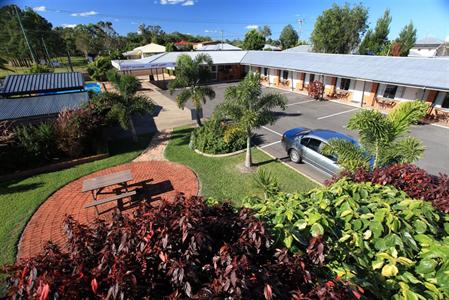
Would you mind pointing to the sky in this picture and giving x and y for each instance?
(235, 17)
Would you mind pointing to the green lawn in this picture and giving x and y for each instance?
(221, 179)
(19, 199)
(79, 65)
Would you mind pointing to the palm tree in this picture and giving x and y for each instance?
(99, 68)
(127, 103)
(248, 108)
(191, 74)
(383, 138)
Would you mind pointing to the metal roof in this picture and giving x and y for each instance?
(42, 82)
(17, 108)
(409, 71)
(168, 59)
(219, 47)
(428, 41)
(300, 48)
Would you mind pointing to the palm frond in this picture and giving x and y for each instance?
(406, 114)
(183, 97)
(350, 156)
(207, 92)
(407, 150)
(141, 104)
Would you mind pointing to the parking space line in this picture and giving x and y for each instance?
(270, 144)
(336, 114)
(271, 130)
(301, 102)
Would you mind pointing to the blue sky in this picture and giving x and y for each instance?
(208, 17)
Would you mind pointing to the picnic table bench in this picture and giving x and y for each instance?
(97, 184)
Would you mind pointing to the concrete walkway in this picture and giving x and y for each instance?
(170, 116)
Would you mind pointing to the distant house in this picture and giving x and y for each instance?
(218, 47)
(269, 47)
(429, 47)
(144, 51)
(29, 97)
(300, 48)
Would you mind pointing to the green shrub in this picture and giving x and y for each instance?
(210, 138)
(37, 140)
(392, 245)
(40, 69)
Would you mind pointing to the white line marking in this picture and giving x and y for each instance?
(336, 114)
(302, 102)
(270, 144)
(271, 130)
(283, 93)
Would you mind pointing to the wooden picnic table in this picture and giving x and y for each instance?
(97, 184)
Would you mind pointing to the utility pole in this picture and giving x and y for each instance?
(300, 22)
(69, 60)
(46, 52)
(222, 39)
(24, 34)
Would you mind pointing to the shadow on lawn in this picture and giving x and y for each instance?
(182, 137)
(11, 188)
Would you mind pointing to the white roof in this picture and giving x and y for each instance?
(149, 48)
(300, 48)
(271, 47)
(219, 47)
(409, 71)
(168, 59)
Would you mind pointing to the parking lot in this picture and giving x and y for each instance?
(303, 111)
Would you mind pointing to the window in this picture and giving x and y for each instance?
(445, 103)
(265, 71)
(344, 84)
(312, 144)
(311, 78)
(284, 74)
(390, 91)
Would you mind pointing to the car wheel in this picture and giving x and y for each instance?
(294, 156)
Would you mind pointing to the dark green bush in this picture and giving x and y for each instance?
(38, 141)
(214, 138)
(378, 237)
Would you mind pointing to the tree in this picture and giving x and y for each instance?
(99, 68)
(35, 69)
(288, 37)
(127, 103)
(191, 74)
(383, 138)
(265, 31)
(254, 40)
(248, 108)
(406, 39)
(375, 42)
(338, 29)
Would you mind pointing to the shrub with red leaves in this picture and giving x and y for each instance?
(179, 250)
(414, 181)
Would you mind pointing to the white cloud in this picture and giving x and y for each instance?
(68, 25)
(252, 26)
(40, 8)
(85, 14)
(174, 2)
(210, 31)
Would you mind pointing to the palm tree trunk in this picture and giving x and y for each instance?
(198, 118)
(132, 129)
(248, 159)
(104, 86)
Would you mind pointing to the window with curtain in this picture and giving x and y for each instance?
(345, 83)
(390, 91)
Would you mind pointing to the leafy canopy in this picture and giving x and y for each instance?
(382, 137)
(254, 40)
(338, 29)
(376, 42)
(406, 39)
(288, 37)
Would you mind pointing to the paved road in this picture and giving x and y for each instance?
(302, 111)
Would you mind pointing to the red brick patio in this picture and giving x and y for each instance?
(152, 179)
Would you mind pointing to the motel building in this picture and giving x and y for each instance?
(367, 81)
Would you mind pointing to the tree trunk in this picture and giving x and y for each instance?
(104, 86)
(132, 129)
(248, 159)
(198, 118)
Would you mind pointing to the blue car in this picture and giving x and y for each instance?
(304, 145)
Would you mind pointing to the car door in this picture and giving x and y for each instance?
(311, 153)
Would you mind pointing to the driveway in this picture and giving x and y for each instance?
(303, 111)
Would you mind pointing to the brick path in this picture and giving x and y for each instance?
(165, 180)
